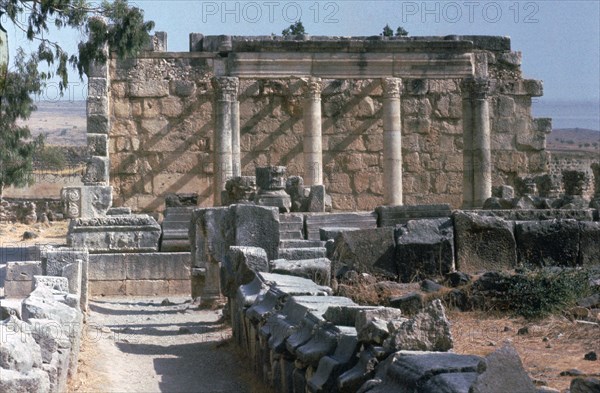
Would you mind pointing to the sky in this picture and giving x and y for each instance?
(560, 40)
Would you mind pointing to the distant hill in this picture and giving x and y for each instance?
(62, 122)
(574, 139)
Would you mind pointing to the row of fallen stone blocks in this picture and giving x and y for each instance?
(467, 241)
(301, 339)
(57, 262)
(41, 338)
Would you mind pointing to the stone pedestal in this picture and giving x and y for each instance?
(226, 133)
(313, 149)
(392, 141)
(115, 234)
(477, 182)
(271, 188)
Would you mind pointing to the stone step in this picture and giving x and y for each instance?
(290, 226)
(290, 235)
(389, 216)
(291, 218)
(316, 221)
(294, 254)
(175, 245)
(300, 243)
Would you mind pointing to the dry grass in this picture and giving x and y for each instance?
(51, 233)
(552, 345)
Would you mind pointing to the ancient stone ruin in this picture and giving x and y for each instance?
(266, 175)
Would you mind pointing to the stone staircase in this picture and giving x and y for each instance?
(299, 233)
(175, 228)
(291, 226)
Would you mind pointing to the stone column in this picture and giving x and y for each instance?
(477, 159)
(392, 142)
(313, 148)
(226, 90)
(235, 139)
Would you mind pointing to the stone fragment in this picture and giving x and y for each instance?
(450, 383)
(317, 269)
(548, 243)
(372, 324)
(317, 199)
(483, 243)
(22, 271)
(35, 380)
(366, 251)
(389, 216)
(240, 189)
(331, 367)
(408, 371)
(59, 284)
(298, 253)
(425, 248)
(410, 303)
(240, 266)
(429, 330)
(457, 279)
(585, 385)
(430, 286)
(504, 373)
(589, 243)
(351, 380)
(19, 351)
(315, 221)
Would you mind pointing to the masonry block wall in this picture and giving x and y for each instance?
(161, 139)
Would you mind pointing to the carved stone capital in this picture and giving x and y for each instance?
(392, 87)
(313, 88)
(476, 88)
(226, 88)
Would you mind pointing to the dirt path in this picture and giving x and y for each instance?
(139, 345)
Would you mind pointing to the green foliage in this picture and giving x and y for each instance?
(294, 30)
(16, 147)
(401, 32)
(110, 26)
(51, 157)
(387, 31)
(542, 293)
(114, 24)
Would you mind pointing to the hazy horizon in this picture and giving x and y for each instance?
(565, 113)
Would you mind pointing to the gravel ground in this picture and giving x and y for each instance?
(158, 345)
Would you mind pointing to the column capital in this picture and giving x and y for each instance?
(392, 87)
(226, 88)
(313, 87)
(476, 87)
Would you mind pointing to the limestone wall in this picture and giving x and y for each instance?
(161, 136)
(573, 161)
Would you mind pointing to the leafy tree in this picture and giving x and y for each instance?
(294, 29)
(16, 146)
(387, 31)
(401, 32)
(111, 26)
